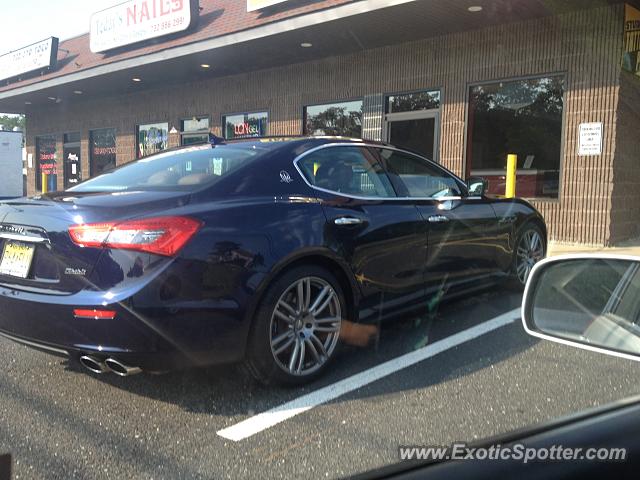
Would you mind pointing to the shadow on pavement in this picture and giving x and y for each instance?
(229, 390)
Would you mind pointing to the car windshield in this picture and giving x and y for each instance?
(188, 169)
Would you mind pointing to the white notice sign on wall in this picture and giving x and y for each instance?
(590, 139)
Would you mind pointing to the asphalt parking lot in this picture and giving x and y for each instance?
(60, 422)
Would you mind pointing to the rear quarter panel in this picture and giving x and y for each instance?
(213, 285)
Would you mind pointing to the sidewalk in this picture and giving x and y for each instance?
(630, 247)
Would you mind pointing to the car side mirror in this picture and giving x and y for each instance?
(477, 186)
(586, 301)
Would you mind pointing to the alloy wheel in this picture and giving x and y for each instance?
(530, 251)
(305, 326)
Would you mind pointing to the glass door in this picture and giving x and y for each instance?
(71, 159)
(412, 121)
(418, 134)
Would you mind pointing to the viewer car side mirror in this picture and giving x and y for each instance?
(477, 186)
(586, 301)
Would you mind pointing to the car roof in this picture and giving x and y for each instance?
(288, 147)
(276, 142)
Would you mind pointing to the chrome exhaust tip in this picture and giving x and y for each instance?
(93, 364)
(120, 368)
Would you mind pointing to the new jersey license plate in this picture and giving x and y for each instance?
(16, 259)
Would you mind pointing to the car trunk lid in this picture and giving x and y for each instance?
(36, 249)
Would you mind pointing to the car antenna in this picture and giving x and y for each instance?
(215, 140)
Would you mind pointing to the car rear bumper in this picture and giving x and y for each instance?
(154, 338)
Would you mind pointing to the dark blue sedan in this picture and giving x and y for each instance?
(259, 251)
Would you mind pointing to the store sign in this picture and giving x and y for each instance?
(138, 20)
(47, 159)
(590, 139)
(246, 125)
(258, 4)
(631, 55)
(38, 56)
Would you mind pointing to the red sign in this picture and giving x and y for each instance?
(246, 129)
(104, 150)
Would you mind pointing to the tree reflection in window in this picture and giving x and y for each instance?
(336, 119)
(411, 102)
(522, 117)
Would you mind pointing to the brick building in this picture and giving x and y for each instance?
(463, 81)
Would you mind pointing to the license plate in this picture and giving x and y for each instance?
(16, 259)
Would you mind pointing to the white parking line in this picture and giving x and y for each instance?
(272, 417)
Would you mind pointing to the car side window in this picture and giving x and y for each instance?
(349, 170)
(418, 177)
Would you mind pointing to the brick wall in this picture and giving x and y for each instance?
(584, 45)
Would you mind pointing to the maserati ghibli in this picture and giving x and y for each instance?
(258, 251)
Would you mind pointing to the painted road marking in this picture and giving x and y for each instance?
(268, 419)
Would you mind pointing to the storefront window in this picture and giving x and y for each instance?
(245, 125)
(522, 117)
(152, 138)
(411, 102)
(46, 163)
(337, 119)
(102, 150)
(194, 130)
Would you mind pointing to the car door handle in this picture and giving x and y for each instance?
(438, 219)
(508, 219)
(348, 221)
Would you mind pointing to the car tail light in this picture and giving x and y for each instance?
(95, 314)
(160, 235)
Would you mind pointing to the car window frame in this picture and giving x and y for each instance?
(370, 146)
(345, 194)
(396, 179)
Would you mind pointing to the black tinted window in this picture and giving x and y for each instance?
(184, 170)
(417, 176)
(350, 170)
(102, 150)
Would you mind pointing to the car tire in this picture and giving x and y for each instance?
(294, 338)
(530, 247)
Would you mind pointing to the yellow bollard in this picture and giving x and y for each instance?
(44, 183)
(512, 164)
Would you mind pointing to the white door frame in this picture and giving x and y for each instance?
(416, 115)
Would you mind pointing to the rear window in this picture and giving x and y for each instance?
(190, 169)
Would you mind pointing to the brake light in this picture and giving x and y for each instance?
(160, 235)
(94, 314)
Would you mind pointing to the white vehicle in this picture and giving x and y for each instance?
(11, 183)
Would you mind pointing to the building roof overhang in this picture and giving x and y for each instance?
(347, 27)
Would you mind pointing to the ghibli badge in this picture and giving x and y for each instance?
(75, 271)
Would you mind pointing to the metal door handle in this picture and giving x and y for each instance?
(348, 221)
(508, 219)
(438, 219)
